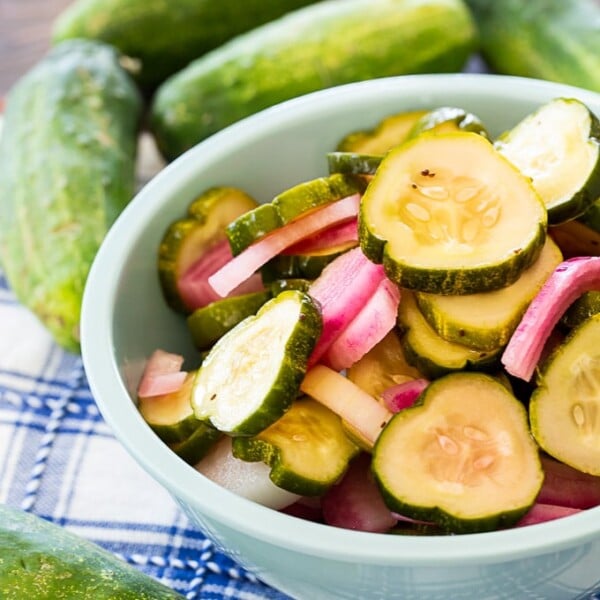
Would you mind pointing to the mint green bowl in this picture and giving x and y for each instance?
(125, 319)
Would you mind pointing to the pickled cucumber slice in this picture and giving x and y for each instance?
(170, 415)
(307, 448)
(446, 119)
(388, 133)
(209, 323)
(485, 321)
(462, 457)
(440, 215)
(289, 205)
(558, 147)
(564, 409)
(432, 355)
(353, 163)
(187, 239)
(253, 373)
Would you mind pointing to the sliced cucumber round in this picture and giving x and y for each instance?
(289, 205)
(587, 305)
(383, 367)
(485, 321)
(307, 448)
(447, 119)
(388, 133)
(171, 416)
(187, 239)
(462, 458)
(440, 215)
(353, 163)
(209, 323)
(558, 147)
(431, 354)
(253, 373)
(564, 410)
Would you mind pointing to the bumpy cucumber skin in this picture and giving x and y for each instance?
(557, 40)
(43, 561)
(164, 36)
(316, 47)
(68, 156)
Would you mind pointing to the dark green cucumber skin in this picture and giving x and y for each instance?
(317, 47)
(42, 561)
(164, 36)
(557, 40)
(209, 323)
(68, 157)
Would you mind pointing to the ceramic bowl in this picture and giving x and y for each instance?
(125, 319)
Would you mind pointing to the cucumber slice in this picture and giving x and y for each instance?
(587, 305)
(431, 354)
(289, 205)
(306, 448)
(462, 458)
(446, 119)
(171, 416)
(253, 373)
(383, 367)
(387, 134)
(296, 266)
(353, 163)
(281, 285)
(440, 215)
(485, 321)
(187, 239)
(564, 408)
(195, 447)
(209, 323)
(558, 147)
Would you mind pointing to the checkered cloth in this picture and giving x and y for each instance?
(59, 460)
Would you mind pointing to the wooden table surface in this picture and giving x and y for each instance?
(25, 27)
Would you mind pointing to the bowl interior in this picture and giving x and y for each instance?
(125, 317)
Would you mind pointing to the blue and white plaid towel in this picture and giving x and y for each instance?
(59, 460)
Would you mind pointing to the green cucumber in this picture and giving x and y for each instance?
(388, 133)
(319, 46)
(353, 163)
(430, 353)
(210, 323)
(292, 283)
(188, 238)
(196, 446)
(383, 367)
(289, 205)
(485, 321)
(558, 147)
(252, 374)
(462, 457)
(439, 214)
(44, 561)
(170, 415)
(587, 305)
(557, 40)
(307, 448)
(564, 407)
(296, 266)
(67, 151)
(448, 119)
(163, 37)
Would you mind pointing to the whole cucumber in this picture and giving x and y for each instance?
(558, 40)
(163, 35)
(67, 152)
(42, 561)
(315, 47)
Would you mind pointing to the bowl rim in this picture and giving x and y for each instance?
(208, 498)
